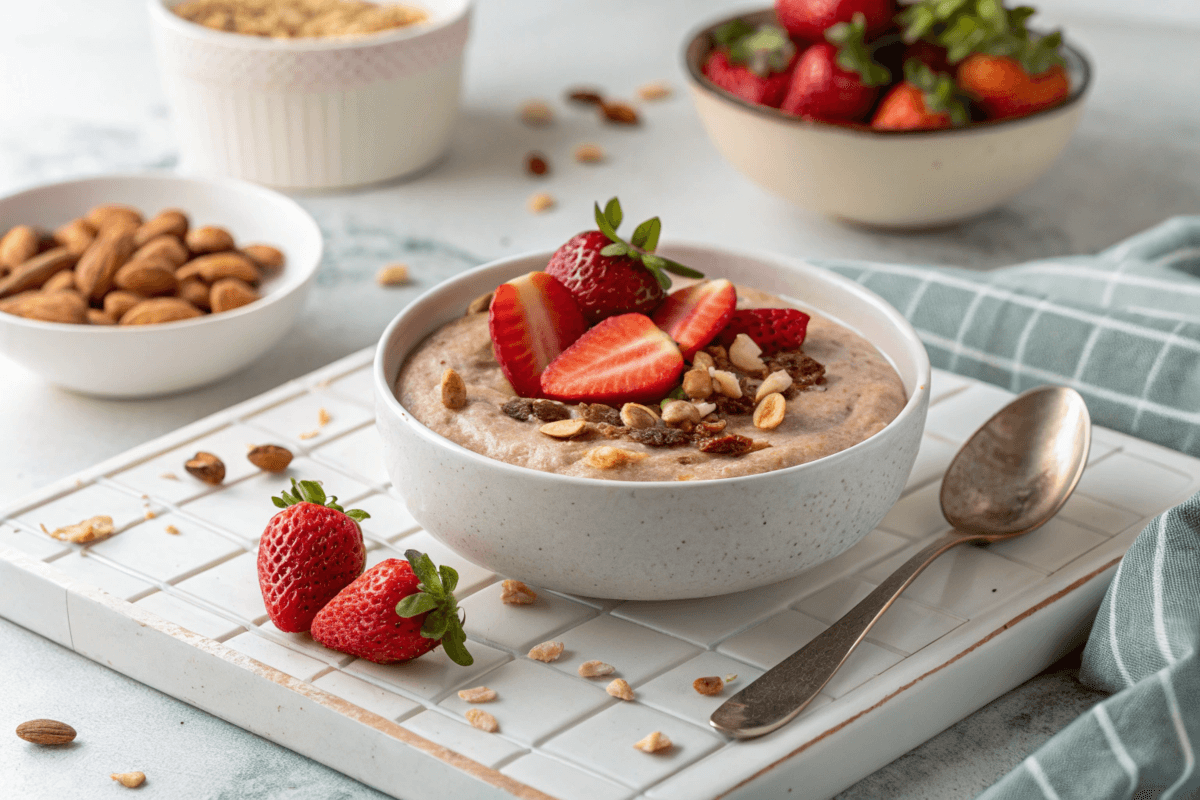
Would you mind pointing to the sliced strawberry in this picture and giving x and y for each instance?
(624, 359)
(695, 315)
(772, 329)
(532, 319)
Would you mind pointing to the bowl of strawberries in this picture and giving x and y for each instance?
(897, 116)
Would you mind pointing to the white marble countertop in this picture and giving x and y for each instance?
(82, 96)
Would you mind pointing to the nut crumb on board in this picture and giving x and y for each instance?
(169, 476)
(130, 780)
(323, 417)
(546, 651)
(595, 669)
(90, 530)
(171, 529)
(653, 742)
(482, 720)
(478, 694)
(656, 90)
(708, 685)
(620, 689)
(392, 275)
(149, 513)
(589, 153)
(309, 435)
(541, 202)
(516, 593)
(536, 113)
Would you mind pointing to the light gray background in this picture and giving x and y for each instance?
(80, 95)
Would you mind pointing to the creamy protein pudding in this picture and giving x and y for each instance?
(629, 383)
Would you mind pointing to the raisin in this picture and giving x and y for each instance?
(731, 445)
(549, 411)
(518, 408)
(600, 414)
(730, 406)
(805, 371)
(659, 437)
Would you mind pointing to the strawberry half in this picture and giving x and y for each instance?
(695, 315)
(624, 359)
(532, 319)
(772, 329)
(396, 611)
(309, 552)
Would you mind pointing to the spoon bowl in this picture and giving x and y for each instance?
(1010, 478)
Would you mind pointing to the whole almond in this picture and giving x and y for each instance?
(269, 259)
(270, 457)
(230, 293)
(159, 309)
(147, 278)
(76, 235)
(116, 303)
(62, 306)
(34, 273)
(60, 281)
(166, 247)
(114, 214)
(97, 317)
(46, 731)
(196, 292)
(206, 467)
(99, 263)
(212, 268)
(169, 221)
(619, 113)
(208, 239)
(18, 246)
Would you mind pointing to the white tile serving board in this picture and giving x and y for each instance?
(182, 613)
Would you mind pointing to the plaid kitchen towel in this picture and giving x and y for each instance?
(1123, 328)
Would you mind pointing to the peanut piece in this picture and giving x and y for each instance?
(636, 415)
(620, 689)
(516, 593)
(778, 381)
(607, 457)
(770, 412)
(589, 154)
(564, 428)
(680, 414)
(541, 202)
(697, 384)
(479, 694)
(702, 360)
(392, 275)
(744, 354)
(726, 383)
(653, 742)
(130, 780)
(658, 90)
(595, 669)
(546, 651)
(482, 720)
(536, 113)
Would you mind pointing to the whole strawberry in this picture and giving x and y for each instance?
(809, 19)
(309, 552)
(396, 611)
(837, 80)
(607, 275)
(754, 64)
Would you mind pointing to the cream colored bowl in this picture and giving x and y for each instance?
(901, 179)
(654, 540)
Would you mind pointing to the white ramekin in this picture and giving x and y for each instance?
(313, 113)
(149, 360)
(654, 540)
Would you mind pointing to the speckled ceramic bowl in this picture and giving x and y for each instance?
(890, 179)
(654, 540)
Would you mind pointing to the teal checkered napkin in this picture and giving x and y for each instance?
(1123, 328)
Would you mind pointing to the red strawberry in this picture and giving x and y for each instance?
(809, 19)
(836, 80)
(609, 276)
(1003, 88)
(624, 359)
(754, 65)
(772, 329)
(532, 319)
(396, 611)
(695, 315)
(922, 101)
(309, 552)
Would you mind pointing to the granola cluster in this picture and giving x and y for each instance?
(297, 19)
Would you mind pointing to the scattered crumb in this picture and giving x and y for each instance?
(482, 720)
(90, 530)
(658, 90)
(309, 435)
(536, 113)
(585, 95)
(515, 593)
(149, 514)
(541, 202)
(595, 669)
(708, 685)
(653, 742)
(323, 417)
(589, 153)
(392, 275)
(479, 694)
(131, 780)
(324, 384)
(731, 677)
(619, 113)
(169, 476)
(620, 689)
(536, 164)
(546, 651)
(171, 529)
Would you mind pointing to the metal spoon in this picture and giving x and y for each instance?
(1010, 478)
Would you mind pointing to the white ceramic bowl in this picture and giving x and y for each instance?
(895, 179)
(654, 540)
(313, 113)
(146, 360)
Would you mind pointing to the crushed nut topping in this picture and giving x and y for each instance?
(546, 651)
(482, 720)
(777, 381)
(611, 431)
(564, 428)
(680, 414)
(595, 669)
(731, 445)
(600, 413)
(605, 457)
(744, 353)
(620, 689)
(697, 383)
(653, 742)
(636, 415)
(454, 391)
(90, 530)
(709, 685)
(479, 694)
(770, 412)
(516, 593)
(702, 360)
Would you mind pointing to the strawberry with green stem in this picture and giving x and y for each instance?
(924, 100)
(809, 19)
(396, 611)
(753, 63)
(837, 80)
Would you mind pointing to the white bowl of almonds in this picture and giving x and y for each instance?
(141, 285)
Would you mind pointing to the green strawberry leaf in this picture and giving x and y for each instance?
(854, 54)
(436, 623)
(646, 235)
(616, 249)
(765, 51)
(357, 514)
(454, 643)
(680, 269)
(612, 212)
(449, 578)
(282, 502)
(416, 604)
(422, 566)
(727, 34)
(311, 492)
(605, 227)
(938, 90)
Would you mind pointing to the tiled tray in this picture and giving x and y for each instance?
(182, 613)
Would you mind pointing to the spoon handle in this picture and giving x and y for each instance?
(786, 689)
